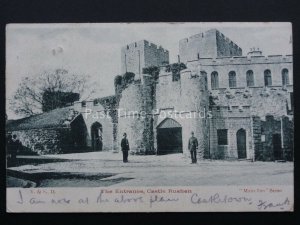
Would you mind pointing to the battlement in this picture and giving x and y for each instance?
(231, 108)
(244, 60)
(133, 46)
(200, 35)
(141, 44)
(211, 43)
(138, 55)
(230, 111)
(154, 46)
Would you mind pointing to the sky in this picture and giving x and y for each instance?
(95, 49)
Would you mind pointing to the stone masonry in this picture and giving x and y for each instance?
(239, 107)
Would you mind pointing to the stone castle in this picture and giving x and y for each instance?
(239, 107)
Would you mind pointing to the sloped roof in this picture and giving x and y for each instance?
(56, 118)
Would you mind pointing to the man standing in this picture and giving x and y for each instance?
(193, 146)
(125, 148)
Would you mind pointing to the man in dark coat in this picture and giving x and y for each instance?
(193, 146)
(125, 148)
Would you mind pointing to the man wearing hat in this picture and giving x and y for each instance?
(125, 148)
(193, 146)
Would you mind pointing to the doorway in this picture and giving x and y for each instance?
(241, 144)
(278, 154)
(96, 133)
(169, 137)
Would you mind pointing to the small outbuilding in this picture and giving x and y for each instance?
(61, 130)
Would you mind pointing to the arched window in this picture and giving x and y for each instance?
(232, 79)
(268, 78)
(214, 80)
(250, 78)
(285, 77)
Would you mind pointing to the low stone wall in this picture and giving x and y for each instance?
(46, 141)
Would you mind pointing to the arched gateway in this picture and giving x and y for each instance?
(96, 133)
(169, 137)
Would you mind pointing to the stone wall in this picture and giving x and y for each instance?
(257, 144)
(225, 47)
(240, 65)
(265, 128)
(98, 113)
(155, 55)
(288, 138)
(130, 120)
(207, 45)
(167, 92)
(148, 96)
(132, 58)
(141, 54)
(185, 101)
(46, 141)
(231, 120)
(261, 101)
(104, 111)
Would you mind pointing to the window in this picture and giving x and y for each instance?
(232, 79)
(83, 104)
(268, 78)
(285, 77)
(222, 137)
(214, 80)
(250, 78)
(96, 102)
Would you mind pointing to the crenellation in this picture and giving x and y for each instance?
(142, 54)
(211, 44)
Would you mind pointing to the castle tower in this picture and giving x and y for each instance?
(141, 54)
(195, 101)
(134, 115)
(210, 44)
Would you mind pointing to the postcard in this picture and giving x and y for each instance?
(149, 117)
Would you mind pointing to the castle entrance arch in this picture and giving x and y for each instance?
(169, 137)
(241, 144)
(96, 133)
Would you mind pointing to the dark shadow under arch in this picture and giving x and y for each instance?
(169, 137)
(96, 134)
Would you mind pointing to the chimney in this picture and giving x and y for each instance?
(254, 52)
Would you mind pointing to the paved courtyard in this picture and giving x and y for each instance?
(107, 169)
